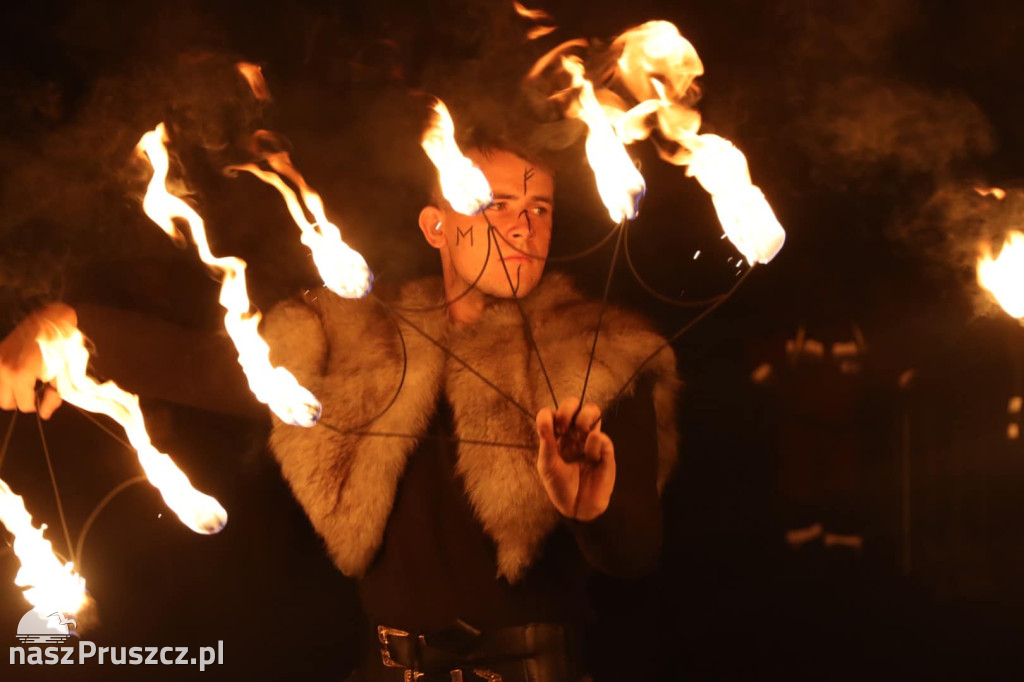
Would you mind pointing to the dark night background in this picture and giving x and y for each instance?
(866, 124)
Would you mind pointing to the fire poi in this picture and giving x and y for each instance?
(273, 386)
(48, 583)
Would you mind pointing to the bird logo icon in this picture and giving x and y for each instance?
(34, 628)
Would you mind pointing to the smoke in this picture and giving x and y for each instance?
(70, 184)
(863, 111)
(952, 226)
(863, 126)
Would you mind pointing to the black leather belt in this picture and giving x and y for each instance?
(537, 651)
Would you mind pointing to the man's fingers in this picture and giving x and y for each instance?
(7, 401)
(597, 446)
(25, 396)
(50, 402)
(589, 416)
(566, 409)
(545, 425)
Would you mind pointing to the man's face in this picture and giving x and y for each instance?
(517, 226)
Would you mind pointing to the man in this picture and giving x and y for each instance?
(469, 508)
(441, 475)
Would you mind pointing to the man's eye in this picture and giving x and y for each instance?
(499, 206)
(540, 210)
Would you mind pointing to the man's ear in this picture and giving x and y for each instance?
(432, 227)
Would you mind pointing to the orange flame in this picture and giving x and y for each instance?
(618, 181)
(253, 74)
(655, 54)
(658, 66)
(540, 32)
(342, 269)
(65, 360)
(1003, 276)
(50, 584)
(273, 386)
(462, 183)
(534, 14)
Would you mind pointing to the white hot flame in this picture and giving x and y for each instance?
(342, 269)
(273, 386)
(618, 181)
(462, 183)
(49, 583)
(65, 360)
(1003, 275)
(657, 66)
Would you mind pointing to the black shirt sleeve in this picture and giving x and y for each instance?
(625, 540)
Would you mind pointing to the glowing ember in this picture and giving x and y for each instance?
(273, 386)
(64, 364)
(996, 192)
(1003, 276)
(50, 584)
(618, 181)
(462, 183)
(342, 269)
(253, 75)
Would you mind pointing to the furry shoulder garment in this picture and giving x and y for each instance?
(350, 355)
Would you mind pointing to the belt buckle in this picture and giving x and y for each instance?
(383, 632)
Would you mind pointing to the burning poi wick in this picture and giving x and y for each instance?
(273, 386)
(342, 269)
(65, 360)
(47, 582)
(463, 185)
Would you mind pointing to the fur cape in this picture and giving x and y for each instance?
(350, 355)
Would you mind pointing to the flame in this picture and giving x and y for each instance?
(65, 360)
(273, 386)
(540, 32)
(534, 14)
(253, 74)
(746, 217)
(996, 192)
(618, 181)
(656, 54)
(342, 269)
(1003, 276)
(50, 584)
(657, 67)
(462, 183)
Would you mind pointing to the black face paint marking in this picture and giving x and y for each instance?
(529, 223)
(461, 234)
(519, 272)
(527, 174)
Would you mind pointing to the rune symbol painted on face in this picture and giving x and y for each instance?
(460, 234)
(527, 174)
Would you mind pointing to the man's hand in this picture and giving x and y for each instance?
(21, 361)
(577, 466)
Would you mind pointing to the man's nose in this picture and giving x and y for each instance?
(521, 227)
